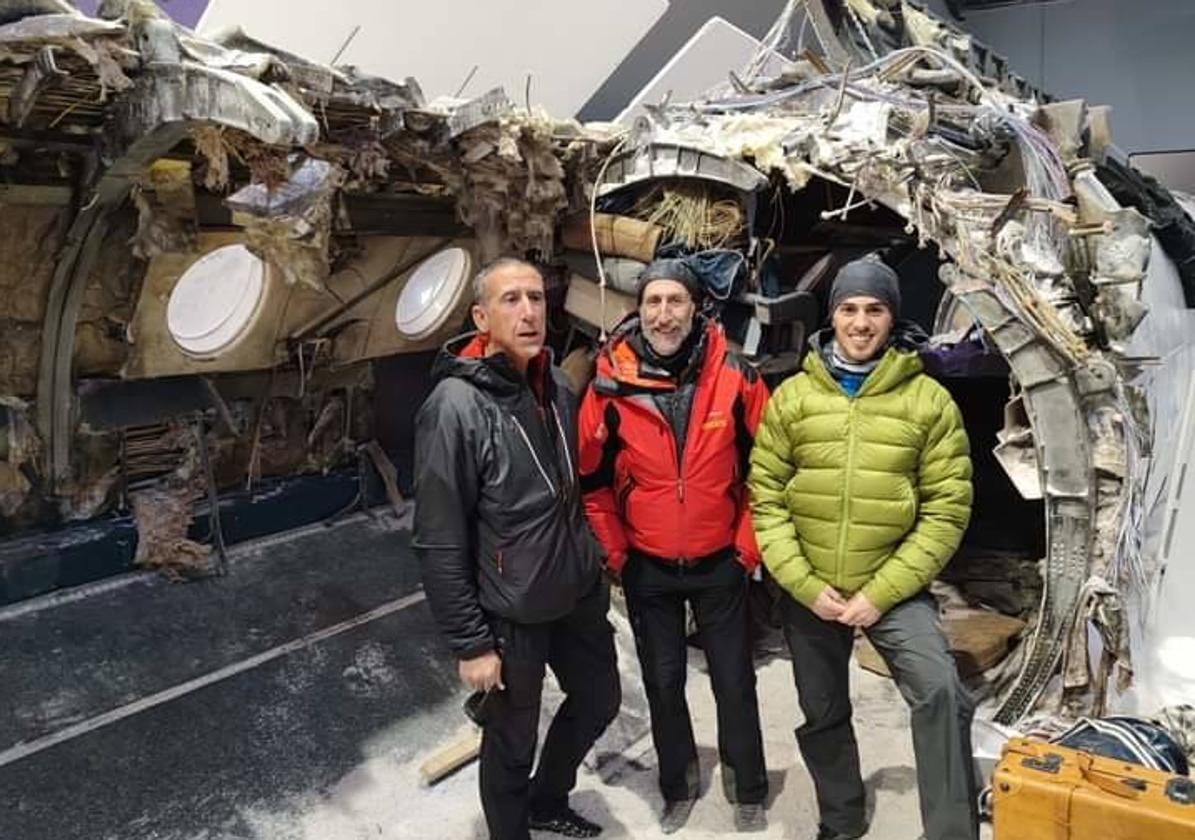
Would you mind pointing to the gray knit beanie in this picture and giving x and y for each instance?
(867, 276)
(671, 269)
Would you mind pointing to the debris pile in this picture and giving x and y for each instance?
(1010, 194)
(1017, 232)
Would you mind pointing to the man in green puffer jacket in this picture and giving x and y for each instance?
(860, 492)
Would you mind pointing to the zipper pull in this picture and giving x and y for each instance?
(680, 489)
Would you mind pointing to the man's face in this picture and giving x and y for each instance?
(666, 314)
(862, 325)
(512, 313)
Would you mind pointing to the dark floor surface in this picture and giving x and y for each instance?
(194, 765)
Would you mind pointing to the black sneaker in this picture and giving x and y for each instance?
(824, 833)
(564, 821)
(676, 814)
(750, 817)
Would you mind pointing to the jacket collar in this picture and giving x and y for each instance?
(622, 366)
(901, 361)
(464, 357)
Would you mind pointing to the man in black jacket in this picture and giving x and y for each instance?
(510, 567)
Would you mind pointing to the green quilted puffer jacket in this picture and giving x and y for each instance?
(868, 493)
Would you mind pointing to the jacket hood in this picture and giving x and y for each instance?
(899, 362)
(464, 358)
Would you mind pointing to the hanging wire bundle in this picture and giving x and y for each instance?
(1045, 177)
(1129, 569)
(778, 40)
(691, 215)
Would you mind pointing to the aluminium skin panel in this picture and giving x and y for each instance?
(1163, 626)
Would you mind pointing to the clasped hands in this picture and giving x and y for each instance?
(855, 612)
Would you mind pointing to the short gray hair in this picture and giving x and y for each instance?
(493, 267)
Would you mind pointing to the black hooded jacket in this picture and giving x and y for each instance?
(499, 528)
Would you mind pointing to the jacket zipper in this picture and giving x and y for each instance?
(678, 463)
(846, 494)
(570, 478)
(535, 457)
(677, 456)
(568, 459)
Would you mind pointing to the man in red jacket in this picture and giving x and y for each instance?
(665, 432)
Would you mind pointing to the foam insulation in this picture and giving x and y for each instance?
(163, 515)
(29, 241)
(289, 225)
(20, 450)
(509, 184)
(108, 300)
(165, 202)
(218, 147)
(20, 349)
(759, 137)
(107, 58)
(163, 508)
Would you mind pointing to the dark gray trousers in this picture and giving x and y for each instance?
(909, 637)
(717, 591)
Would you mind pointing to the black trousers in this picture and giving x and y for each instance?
(717, 590)
(579, 648)
(909, 637)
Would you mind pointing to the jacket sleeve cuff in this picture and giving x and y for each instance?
(476, 650)
(809, 589)
(881, 596)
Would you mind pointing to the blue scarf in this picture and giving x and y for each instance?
(849, 375)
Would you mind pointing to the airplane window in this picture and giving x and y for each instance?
(432, 293)
(215, 300)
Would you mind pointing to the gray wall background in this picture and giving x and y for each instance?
(1136, 55)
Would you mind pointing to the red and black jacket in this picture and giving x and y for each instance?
(640, 492)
